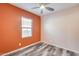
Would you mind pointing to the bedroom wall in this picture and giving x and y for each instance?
(62, 29)
(10, 28)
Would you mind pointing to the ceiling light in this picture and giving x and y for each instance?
(42, 7)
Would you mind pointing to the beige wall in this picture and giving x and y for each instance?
(62, 28)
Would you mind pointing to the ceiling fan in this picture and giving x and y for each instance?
(43, 6)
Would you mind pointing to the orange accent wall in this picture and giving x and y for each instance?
(10, 28)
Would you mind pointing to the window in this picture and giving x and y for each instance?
(26, 27)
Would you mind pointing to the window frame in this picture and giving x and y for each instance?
(26, 27)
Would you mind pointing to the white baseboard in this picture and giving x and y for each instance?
(20, 48)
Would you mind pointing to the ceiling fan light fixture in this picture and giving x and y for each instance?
(42, 7)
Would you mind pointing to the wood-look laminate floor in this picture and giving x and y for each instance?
(42, 49)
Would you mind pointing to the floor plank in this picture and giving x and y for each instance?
(42, 49)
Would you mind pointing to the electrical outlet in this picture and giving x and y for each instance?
(19, 44)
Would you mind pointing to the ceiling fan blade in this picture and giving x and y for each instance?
(49, 8)
(35, 7)
(42, 11)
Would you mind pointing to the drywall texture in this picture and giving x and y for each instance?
(10, 28)
(62, 28)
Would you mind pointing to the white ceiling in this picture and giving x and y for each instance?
(56, 6)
